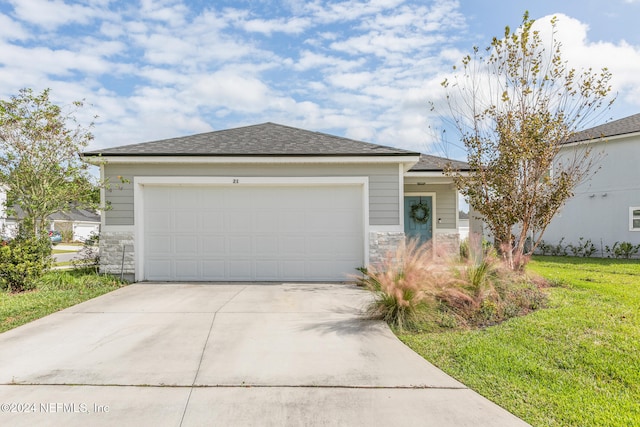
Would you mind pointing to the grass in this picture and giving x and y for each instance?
(575, 363)
(62, 251)
(55, 291)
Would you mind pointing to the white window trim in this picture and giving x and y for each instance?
(631, 218)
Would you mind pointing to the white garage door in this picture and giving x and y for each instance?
(200, 233)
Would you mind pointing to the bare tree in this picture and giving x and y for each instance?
(515, 104)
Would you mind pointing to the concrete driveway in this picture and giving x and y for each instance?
(226, 354)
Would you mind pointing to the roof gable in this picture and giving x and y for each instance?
(267, 139)
(428, 163)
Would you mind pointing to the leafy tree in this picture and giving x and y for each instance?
(39, 157)
(515, 104)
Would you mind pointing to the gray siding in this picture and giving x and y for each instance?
(383, 184)
(599, 209)
(445, 202)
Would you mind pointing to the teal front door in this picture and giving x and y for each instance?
(418, 217)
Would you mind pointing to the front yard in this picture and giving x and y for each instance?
(55, 291)
(575, 363)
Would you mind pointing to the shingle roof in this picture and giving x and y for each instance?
(623, 126)
(80, 215)
(428, 163)
(75, 215)
(267, 139)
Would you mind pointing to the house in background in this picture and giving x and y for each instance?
(267, 203)
(78, 223)
(81, 224)
(606, 208)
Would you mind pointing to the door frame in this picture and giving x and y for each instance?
(433, 208)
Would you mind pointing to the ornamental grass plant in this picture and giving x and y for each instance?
(417, 289)
(405, 285)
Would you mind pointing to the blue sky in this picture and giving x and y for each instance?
(154, 69)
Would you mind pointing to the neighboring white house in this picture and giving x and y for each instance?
(267, 203)
(606, 208)
(81, 222)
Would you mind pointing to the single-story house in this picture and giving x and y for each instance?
(81, 222)
(606, 208)
(266, 203)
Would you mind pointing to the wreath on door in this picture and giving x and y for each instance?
(420, 212)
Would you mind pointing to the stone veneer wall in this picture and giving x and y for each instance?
(112, 244)
(448, 244)
(381, 242)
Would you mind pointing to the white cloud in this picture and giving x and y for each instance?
(287, 26)
(11, 30)
(622, 59)
(161, 68)
(51, 14)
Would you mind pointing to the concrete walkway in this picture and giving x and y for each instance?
(228, 355)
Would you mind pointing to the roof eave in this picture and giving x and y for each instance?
(271, 158)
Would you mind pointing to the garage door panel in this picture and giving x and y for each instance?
(238, 221)
(292, 245)
(293, 269)
(265, 245)
(267, 269)
(239, 245)
(210, 220)
(158, 244)
(267, 220)
(161, 269)
(252, 233)
(213, 244)
(214, 269)
(185, 244)
(162, 196)
(185, 221)
(240, 269)
(345, 245)
(292, 221)
(186, 196)
(158, 221)
(187, 269)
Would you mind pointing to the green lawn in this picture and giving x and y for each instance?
(57, 290)
(575, 363)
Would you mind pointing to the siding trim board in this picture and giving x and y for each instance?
(405, 160)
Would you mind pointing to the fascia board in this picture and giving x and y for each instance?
(249, 159)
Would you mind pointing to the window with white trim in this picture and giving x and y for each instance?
(634, 218)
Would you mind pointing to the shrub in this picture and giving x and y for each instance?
(416, 291)
(559, 249)
(544, 248)
(622, 250)
(22, 261)
(582, 248)
(89, 255)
